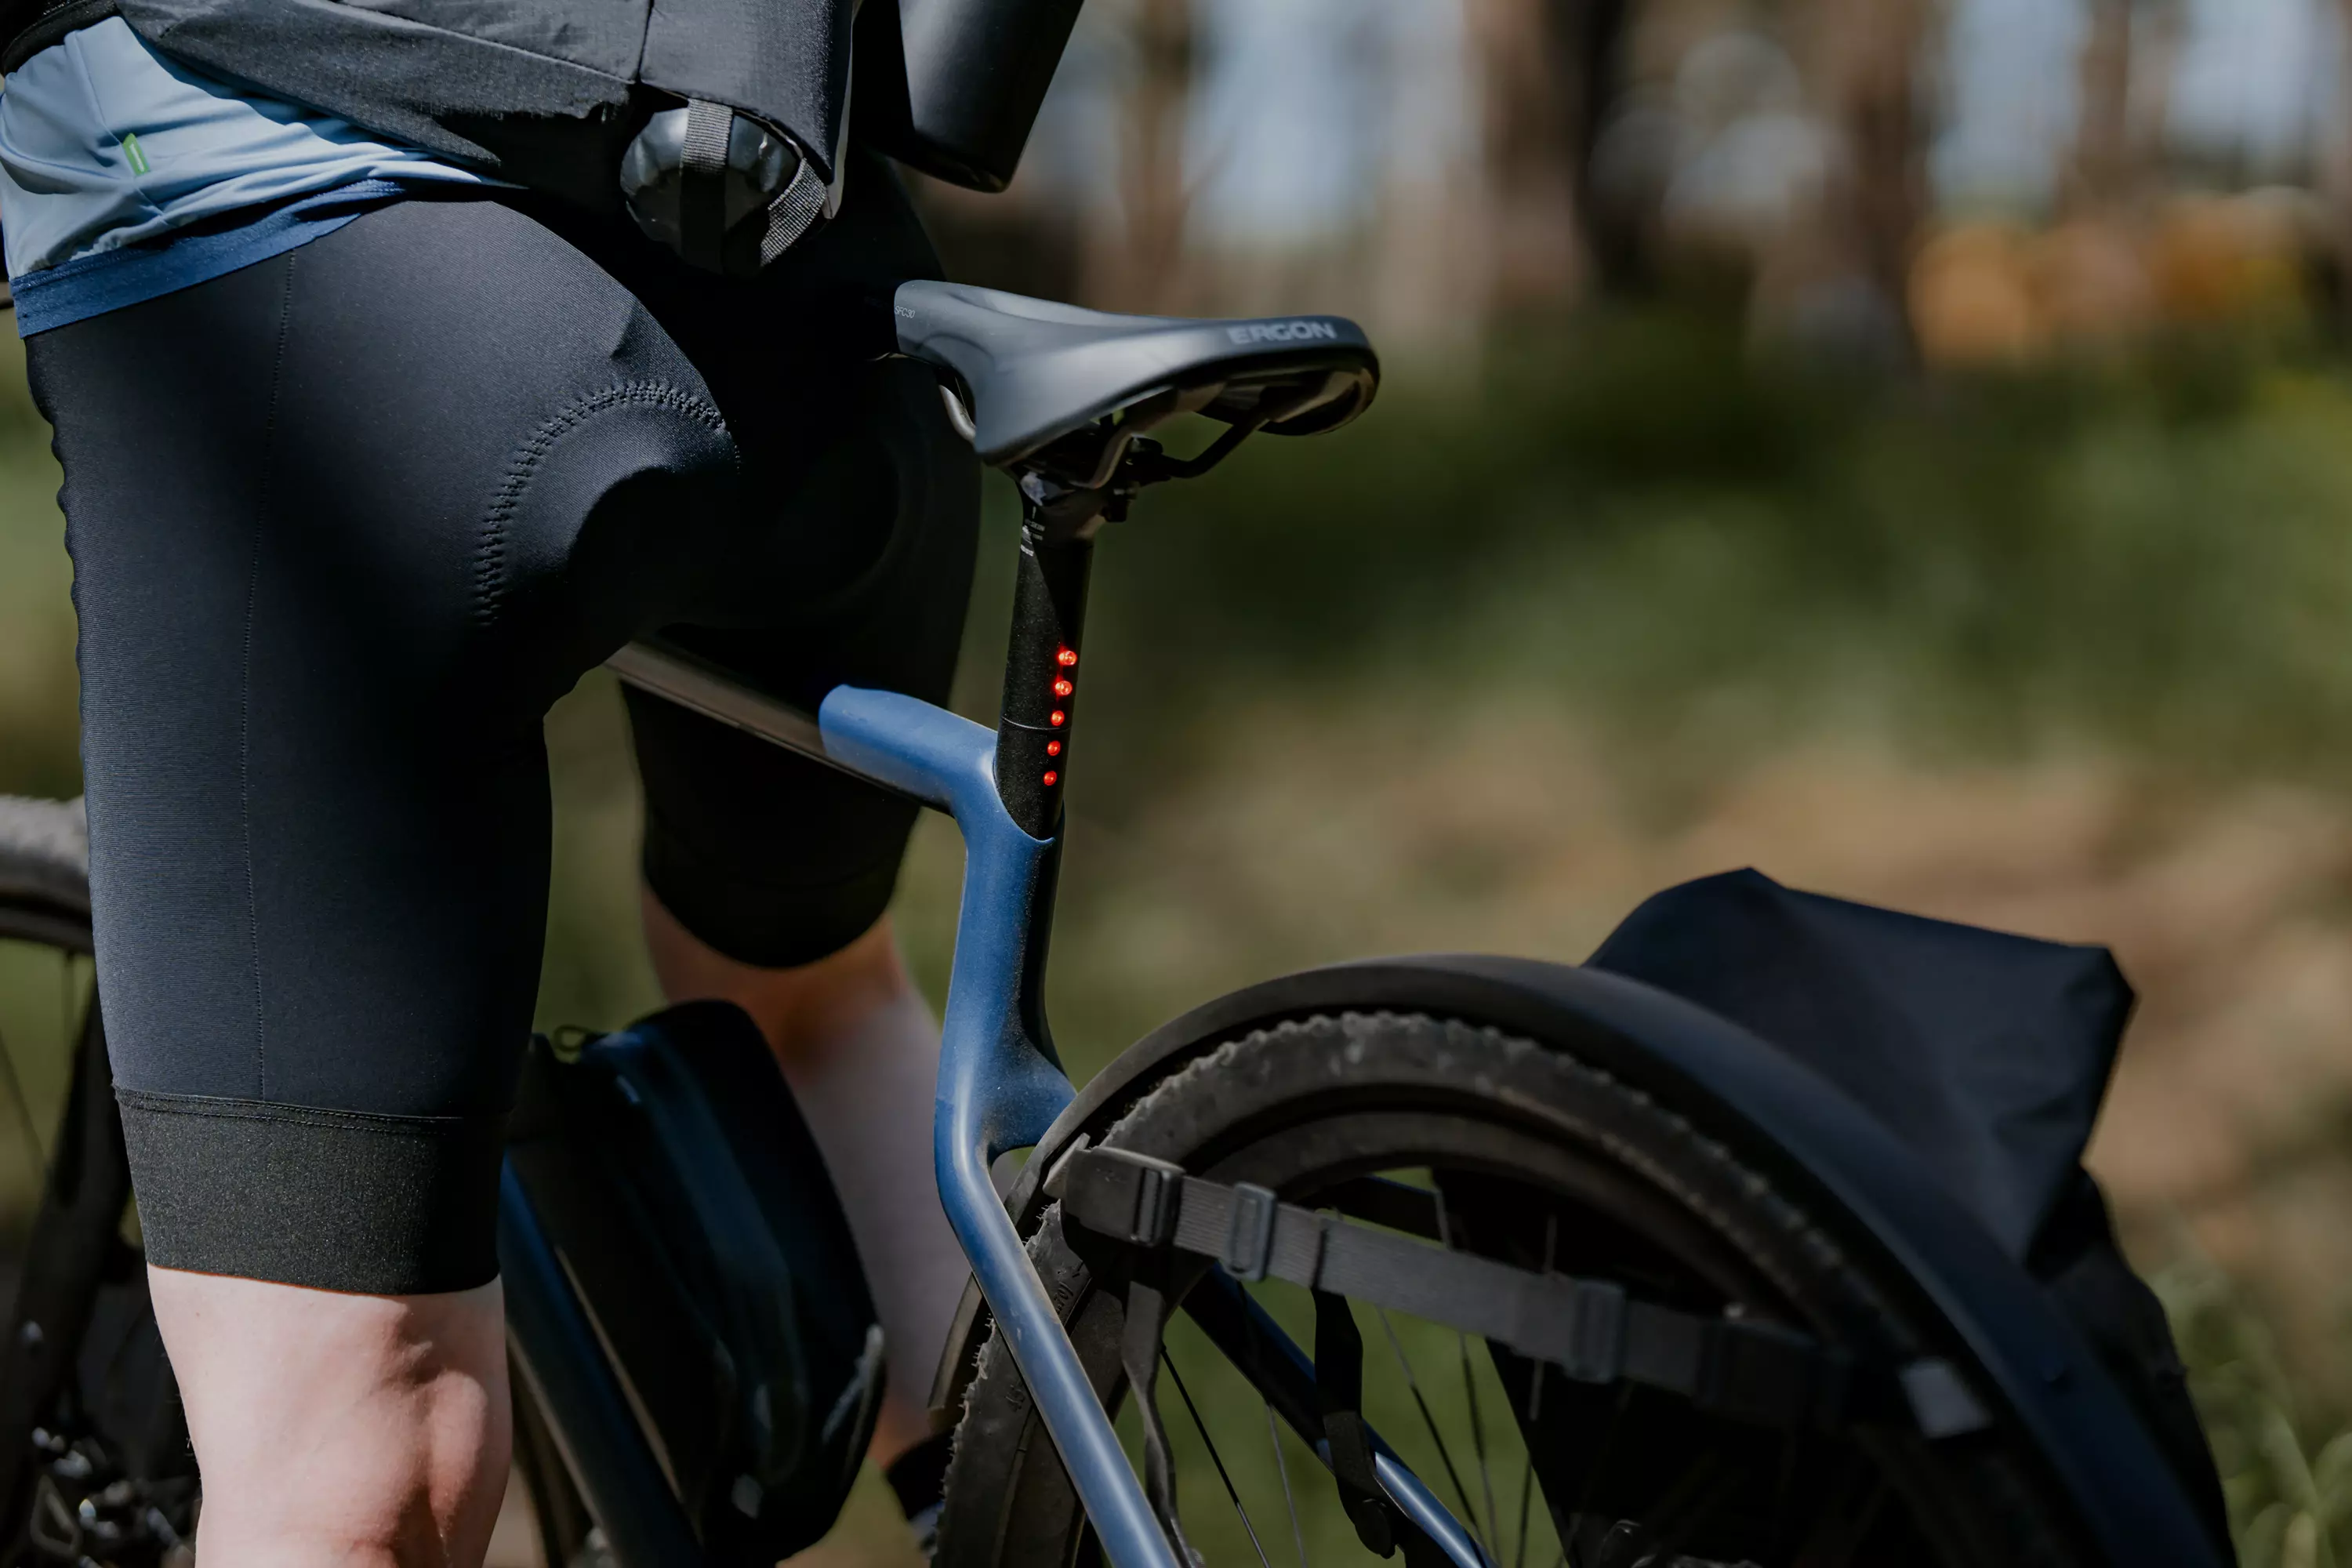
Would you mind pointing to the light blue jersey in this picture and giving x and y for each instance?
(121, 172)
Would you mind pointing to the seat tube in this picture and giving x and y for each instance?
(1042, 674)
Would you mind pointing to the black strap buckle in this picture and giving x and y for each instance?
(1595, 1352)
(1249, 1232)
(1119, 1194)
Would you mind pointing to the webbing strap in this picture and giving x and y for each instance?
(702, 182)
(1148, 1306)
(788, 216)
(702, 194)
(1339, 1392)
(1739, 1367)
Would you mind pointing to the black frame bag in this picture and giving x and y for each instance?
(680, 1188)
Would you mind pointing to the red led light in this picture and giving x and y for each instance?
(1053, 748)
(1066, 657)
(1059, 718)
(1062, 688)
(1051, 778)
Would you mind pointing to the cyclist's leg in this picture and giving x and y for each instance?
(768, 874)
(380, 1424)
(343, 524)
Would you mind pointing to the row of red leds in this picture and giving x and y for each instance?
(1066, 658)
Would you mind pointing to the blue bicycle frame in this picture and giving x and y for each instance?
(999, 1090)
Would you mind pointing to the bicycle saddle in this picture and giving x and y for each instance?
(1031, 371)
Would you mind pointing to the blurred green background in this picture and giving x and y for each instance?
(1863, 509)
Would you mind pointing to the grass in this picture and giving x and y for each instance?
(2286, 1470)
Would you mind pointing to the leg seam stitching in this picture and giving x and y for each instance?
(245, 684)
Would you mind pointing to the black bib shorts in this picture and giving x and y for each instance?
(344, 524)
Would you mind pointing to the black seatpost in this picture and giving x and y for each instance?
(1042, 672)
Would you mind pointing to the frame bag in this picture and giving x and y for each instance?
(680, 1186)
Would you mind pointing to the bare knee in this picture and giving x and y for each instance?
(337, 1428)
(806, 1013)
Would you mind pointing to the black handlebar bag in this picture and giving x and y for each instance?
(679, 1185)
(1987, 1054)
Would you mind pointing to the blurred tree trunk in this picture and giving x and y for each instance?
(1547, 70)
(2089, 275)
(1593, 42)
(2336, 180)
(1142, 267)
(2104, 174)
(1874, 75)
(1839, 277)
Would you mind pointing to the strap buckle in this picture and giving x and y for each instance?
(1249, 1232)
(1595, 1350)
(1119, 1194)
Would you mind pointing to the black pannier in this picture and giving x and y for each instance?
(1987, 1053)
(680, 1189)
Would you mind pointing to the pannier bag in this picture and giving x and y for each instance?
(680, 1189)
(720, 125)
(1987, 1054)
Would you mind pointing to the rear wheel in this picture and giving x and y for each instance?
(1498, 1146)
(95, 1466)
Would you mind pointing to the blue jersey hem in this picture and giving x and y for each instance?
(92, 285)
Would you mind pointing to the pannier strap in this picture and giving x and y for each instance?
(1741, 1368)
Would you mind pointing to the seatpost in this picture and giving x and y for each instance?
(1042, 671)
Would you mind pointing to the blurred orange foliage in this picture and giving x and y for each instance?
(1990, 293)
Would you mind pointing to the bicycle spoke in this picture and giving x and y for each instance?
(1470, 1395)
(1674, 1519)
(1478, 1440)
(1781, 1488)
(1215, 1458)
(1444, 1454)
(1527, 1490)
(1839, 1529)
(34, 1152)
(1535, 1405)
(1601, 1457)
(1282, 1467)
